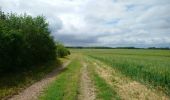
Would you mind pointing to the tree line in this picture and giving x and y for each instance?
(26, 41)
(102, 47)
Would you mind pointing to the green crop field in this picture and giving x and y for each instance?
(149, 67)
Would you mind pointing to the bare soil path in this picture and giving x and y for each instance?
(87, 90)
(32, 92)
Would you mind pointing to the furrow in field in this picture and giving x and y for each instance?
(126, 88)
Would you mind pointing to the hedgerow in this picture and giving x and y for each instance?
(24, 41)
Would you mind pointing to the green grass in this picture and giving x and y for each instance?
(65, 87)
(13, 82)
(147, 66)
(104, 90)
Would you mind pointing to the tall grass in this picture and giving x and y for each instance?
(153, 69)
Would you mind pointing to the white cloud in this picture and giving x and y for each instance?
(104, 22)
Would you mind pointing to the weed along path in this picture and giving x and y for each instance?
(126, 88)
(86, 90)
(32, 92)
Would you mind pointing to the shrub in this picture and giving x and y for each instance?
(61, 50)
(24, 41)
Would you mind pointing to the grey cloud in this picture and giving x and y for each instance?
(139, 23)
(73, 40)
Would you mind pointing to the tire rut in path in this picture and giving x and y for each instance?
(32, 92)
(87, 90)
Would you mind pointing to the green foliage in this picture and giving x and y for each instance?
(61, 50)
(24, 41)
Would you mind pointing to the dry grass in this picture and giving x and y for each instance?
(125, 87)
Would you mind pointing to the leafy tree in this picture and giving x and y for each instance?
(24, 41)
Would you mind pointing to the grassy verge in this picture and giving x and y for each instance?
(104, 90)
(13, 82)
(65, 87)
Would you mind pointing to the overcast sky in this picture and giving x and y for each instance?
(140, 23)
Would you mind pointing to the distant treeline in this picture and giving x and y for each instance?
(26, 41)
(79, 47)
(166, 48)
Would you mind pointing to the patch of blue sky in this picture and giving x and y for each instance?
(112, 22)
(130, 7)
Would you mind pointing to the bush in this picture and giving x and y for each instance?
(24, 41)
(61, 50)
